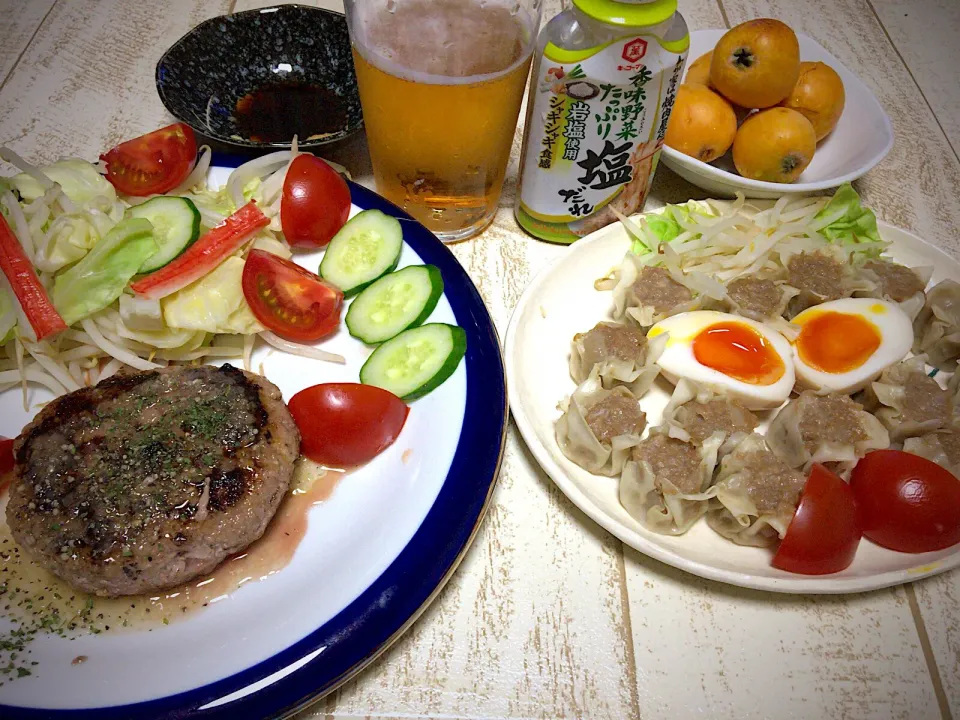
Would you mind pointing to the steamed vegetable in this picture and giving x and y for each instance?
(98, 280)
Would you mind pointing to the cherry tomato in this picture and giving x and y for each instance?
(825, 531)
(291, 301)
(346, 424)
(315, 202)
(152, 163)
(907, 503)
(6, 462)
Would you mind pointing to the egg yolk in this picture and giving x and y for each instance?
(739, 351)
(835, 342)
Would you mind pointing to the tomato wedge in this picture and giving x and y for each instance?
(346, 424)
(29, 292)
(289, 300)
(907, 503)
(153, 163)
(825, 531)
(6, 462)
(204, 255)
(315, 202)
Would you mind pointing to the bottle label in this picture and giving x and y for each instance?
(594, 134)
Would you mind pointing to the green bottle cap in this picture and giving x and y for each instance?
(628, 12)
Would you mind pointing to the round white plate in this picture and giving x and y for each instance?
(862, 138)
(375, 553)
(562, 301)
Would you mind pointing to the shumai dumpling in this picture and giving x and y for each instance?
(828, 429)
(897, 283)
(665, 483)
(756, 495)
(936, 330)
(647, 294)
(907, 401)
(695, 413)
(941, 446)
(820, 276)
(620, 353)
(599, 426)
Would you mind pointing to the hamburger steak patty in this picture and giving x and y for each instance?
(148, 480)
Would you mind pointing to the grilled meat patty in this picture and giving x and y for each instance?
(148, 480)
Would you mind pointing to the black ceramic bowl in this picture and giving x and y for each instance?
(258, 77)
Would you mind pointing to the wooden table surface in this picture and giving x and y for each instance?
(549, 616)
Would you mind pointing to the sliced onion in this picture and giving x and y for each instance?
(115, 352)
(257, 168)
(198, 174)
(11, 378)
(11, 157)
(42, 353)
(307, 351)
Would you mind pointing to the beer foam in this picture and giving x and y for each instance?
(448, 42)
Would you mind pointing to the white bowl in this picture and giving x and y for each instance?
(861, 139)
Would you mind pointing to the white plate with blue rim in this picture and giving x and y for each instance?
(562, 301)
(373, 555)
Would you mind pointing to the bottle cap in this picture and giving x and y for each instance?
(633, 13)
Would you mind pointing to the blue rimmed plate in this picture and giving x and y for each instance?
(373, 557)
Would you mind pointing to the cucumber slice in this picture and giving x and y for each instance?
(416, 361)
(366, 248)
(394, 303)
(176, 225)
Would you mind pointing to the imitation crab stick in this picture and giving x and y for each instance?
(204, 255)
(31, 295)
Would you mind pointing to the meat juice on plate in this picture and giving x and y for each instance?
(34, 600)
(441, 84)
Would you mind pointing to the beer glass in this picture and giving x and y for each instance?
(441, 82)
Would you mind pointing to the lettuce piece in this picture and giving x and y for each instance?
(855, 223)
(214, 303)
(216, 201)
(664, 225)
(72, 237)
(79, 179)
(98, 280)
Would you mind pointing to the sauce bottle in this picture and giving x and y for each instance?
(603, 83)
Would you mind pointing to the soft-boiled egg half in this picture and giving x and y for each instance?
(844, 344)
(742, 357)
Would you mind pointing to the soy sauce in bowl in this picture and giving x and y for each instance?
(256, 78)
(276, 112)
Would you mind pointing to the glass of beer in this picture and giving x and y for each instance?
(441, 82)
